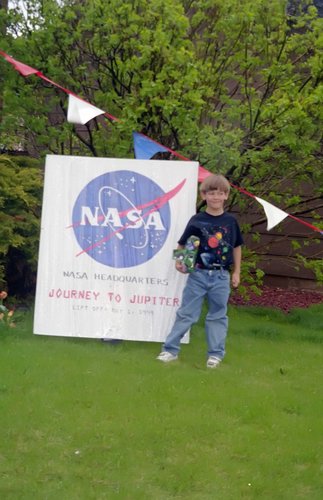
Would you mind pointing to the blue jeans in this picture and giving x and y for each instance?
(215, 286)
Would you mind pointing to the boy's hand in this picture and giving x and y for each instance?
(180, 267)
(235, 279)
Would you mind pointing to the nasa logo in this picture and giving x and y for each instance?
(122, 218)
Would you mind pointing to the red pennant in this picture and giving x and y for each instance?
(22, 68)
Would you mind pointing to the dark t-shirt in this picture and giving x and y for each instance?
(218, 234)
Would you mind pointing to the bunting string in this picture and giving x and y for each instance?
(81, 111)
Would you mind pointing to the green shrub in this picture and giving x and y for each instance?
(20, 207)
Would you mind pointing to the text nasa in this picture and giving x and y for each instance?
(112, 218)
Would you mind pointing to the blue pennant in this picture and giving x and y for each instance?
(145, 148)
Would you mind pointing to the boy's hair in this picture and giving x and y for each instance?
(214, 182)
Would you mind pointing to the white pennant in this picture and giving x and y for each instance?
(80, 111)
(274, 215)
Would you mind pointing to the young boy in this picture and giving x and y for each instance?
(219, 252)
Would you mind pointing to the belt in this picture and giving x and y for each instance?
(211, 271)
(216, 267)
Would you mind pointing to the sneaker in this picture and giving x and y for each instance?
(166, 357)
(213, 362)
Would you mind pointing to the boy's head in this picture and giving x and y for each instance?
(215, 182)
(215, 191)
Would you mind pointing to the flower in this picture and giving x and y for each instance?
(5, 314)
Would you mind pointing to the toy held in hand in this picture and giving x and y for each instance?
(187, 255)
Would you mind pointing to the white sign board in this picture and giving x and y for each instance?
(108, 230)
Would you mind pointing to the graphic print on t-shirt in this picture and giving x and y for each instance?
(215, 246)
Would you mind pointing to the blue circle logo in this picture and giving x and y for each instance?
(121, 219)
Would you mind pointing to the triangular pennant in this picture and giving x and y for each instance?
(274, 215)
(22, 68)
(81, 112)
(203, 173)
(145, 148)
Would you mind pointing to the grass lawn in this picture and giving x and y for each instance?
(82, 419)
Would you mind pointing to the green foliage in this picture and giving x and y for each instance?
(20, 202)
(315, 265)
(235, 85)
(133, 60)
(252, 275)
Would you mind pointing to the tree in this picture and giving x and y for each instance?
(234, 85)
(135, 62)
